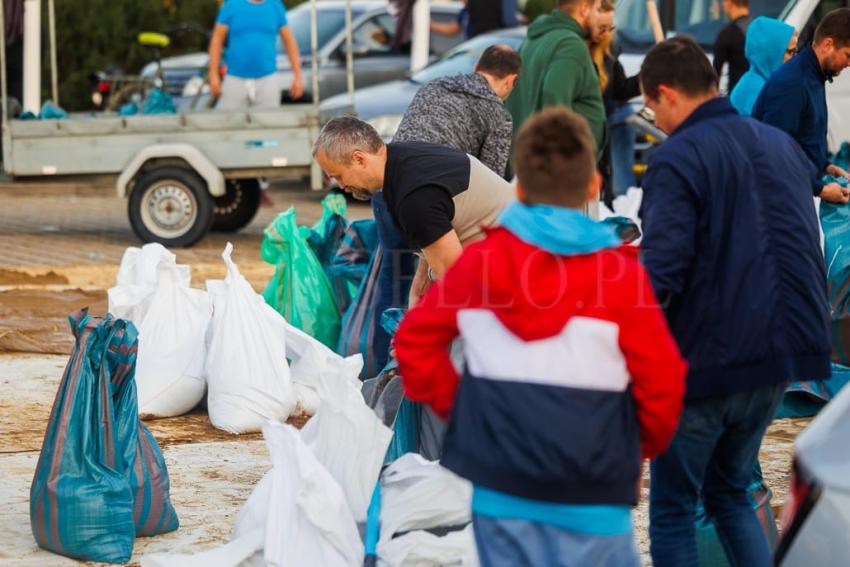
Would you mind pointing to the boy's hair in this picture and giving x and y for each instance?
(572, 3)
(500, 61)
(741, 3)
(680, 63)
(555, 158)
(835, 25)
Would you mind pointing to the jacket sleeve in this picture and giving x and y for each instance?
(654, 363)
(496, 146)
(623, 88)
(424, 338)
(721, 51)
(669, 216)
(781, 106)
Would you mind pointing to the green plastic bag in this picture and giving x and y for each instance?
(299, 290)
(333, 205)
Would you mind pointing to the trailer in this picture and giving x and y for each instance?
(182, 174)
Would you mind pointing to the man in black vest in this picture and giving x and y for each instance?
(729, 46)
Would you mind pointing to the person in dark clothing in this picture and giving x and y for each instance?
(618, 156)
(467, 111)
(732, 248)
(729, 45)
(794, 99)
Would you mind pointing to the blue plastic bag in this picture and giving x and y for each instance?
(101, 479)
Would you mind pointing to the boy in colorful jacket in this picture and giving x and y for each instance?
(570, 376)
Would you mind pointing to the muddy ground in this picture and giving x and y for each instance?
(60, 252)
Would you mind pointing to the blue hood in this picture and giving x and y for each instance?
(558, 230)
(767, 40)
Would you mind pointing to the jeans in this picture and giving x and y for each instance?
(713, 455)
(622, 150)
(503, 542)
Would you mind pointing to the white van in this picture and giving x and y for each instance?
(703, 19)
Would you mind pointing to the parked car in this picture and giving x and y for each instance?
(816, 518)
(383, 105)
(375, 58)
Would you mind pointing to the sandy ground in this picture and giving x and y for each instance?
(60, 252)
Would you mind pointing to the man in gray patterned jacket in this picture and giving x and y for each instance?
(466, 112)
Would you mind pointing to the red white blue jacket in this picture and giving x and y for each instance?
(570, 374)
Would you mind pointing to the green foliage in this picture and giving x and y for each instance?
(534, 8)
(94, 34)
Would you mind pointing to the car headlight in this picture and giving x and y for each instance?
(386, 125)
(194, 86)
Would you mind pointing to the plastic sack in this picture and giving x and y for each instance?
(136, 280)
(348, 438)
(709, 548)
(386, 286)
(100, 479)
(417, 494)
(842, 157)
(299, 290)
(170, 369)
(296, 515)
(158, 102)
(835, 220)
(247, 375)
(424, 549)
(172, 319)
(350, 262)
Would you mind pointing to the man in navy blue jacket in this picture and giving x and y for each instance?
(794, 98)
(732, 248)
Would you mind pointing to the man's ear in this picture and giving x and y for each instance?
(358, 157)
(520, 192)
(594, 187)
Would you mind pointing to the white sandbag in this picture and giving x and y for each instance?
(136, 280)
(247, 375)
(170, 366)
(417, 494)
(307, 521)
(423, 549)
(296, 515)
(347, 437)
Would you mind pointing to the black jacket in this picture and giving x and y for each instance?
(729, 48)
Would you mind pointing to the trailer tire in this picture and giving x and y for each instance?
(170, 205)
(238, 206)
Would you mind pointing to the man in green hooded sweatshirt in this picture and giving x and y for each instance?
(557, 69)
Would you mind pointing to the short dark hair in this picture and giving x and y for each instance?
(555, 157)
(741, 3)
(500, 61)
(573, 3)
(678, 62)
(835, 25)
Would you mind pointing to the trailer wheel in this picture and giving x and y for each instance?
(238, 206)
(170, 205)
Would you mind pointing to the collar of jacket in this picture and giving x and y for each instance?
(812, 63)
(717, 106)
(558, 230)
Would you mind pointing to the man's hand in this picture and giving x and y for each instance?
(835, 193)
(836, 171)
(296, 90)
(215, 85)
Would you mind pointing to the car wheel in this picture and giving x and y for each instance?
(238, 206)
(170, 205)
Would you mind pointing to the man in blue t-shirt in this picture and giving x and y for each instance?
(251, 28)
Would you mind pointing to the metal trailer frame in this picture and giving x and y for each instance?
(207, 148)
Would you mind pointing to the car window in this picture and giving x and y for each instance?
(463, 58)
(330, 21)
(701, 19)
(374, 36)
